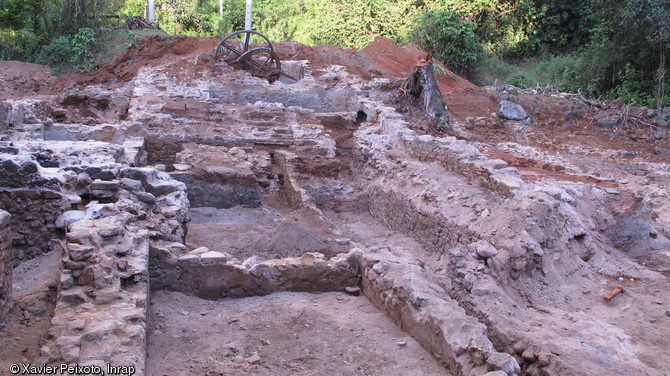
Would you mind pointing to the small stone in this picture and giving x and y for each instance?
(130, 184)
(485, 249)
(104, 185)
(504, 362)
(352, 290)
(521, 346)
(214, 258)
(76, 325)
(238, 359)
(402, 343)
(528, 354)
(199, 251)
(661, 151)
(543, 359)
(69, 217)
(254, 359)
(181, 167)
(146, 197)
(265, 342)
(612, 191)
(343, 241)
(80, 252)
(667, 313)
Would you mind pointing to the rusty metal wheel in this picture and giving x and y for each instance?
(262, 62)
(236, 44)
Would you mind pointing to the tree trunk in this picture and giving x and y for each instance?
(221, 7)
(660, 93)
(421, 83)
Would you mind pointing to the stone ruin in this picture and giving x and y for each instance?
(114, 177)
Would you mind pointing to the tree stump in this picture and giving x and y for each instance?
(421, 83)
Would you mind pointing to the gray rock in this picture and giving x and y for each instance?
(512, 111)
(607, 120)
(69, 217)
(504, 362)
(131, 184)
(146, 197)
(83, 180)
(485, 249)
(80, 252)
(544, 359)
(661, 151)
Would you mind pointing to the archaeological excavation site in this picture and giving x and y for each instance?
(172, 214)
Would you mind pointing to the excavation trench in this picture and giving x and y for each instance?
(271, 285)
(222, 225)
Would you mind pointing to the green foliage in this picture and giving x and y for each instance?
(492, 70)
(625, 52)
(450, 39)
(542, 72)
(73, 52)
(18, 45)
(602, 48)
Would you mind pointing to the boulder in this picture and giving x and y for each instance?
(512, 111)
(69, 217)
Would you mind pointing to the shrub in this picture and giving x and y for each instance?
(70, 52)
(18, 45)
(450, 39)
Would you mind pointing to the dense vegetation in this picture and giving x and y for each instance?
(603, 48)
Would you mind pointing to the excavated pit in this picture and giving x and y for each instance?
(210, 223)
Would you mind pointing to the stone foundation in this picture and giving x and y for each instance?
(5, 265)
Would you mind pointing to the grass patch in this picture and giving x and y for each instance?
(543, 73)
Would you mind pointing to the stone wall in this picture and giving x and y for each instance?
(160, 150)
(5, 265)
(101, 308)
(34, 201)
(216, 275)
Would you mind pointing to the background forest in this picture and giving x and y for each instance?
(602, 48)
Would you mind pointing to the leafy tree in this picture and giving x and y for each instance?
(626, 55)
(450, 39)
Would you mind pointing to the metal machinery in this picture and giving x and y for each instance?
(251, 51)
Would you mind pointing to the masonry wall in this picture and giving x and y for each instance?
(5, 265)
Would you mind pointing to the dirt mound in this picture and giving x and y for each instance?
(192, 56)
(152, 51)
(381, 58)
(19, 79)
